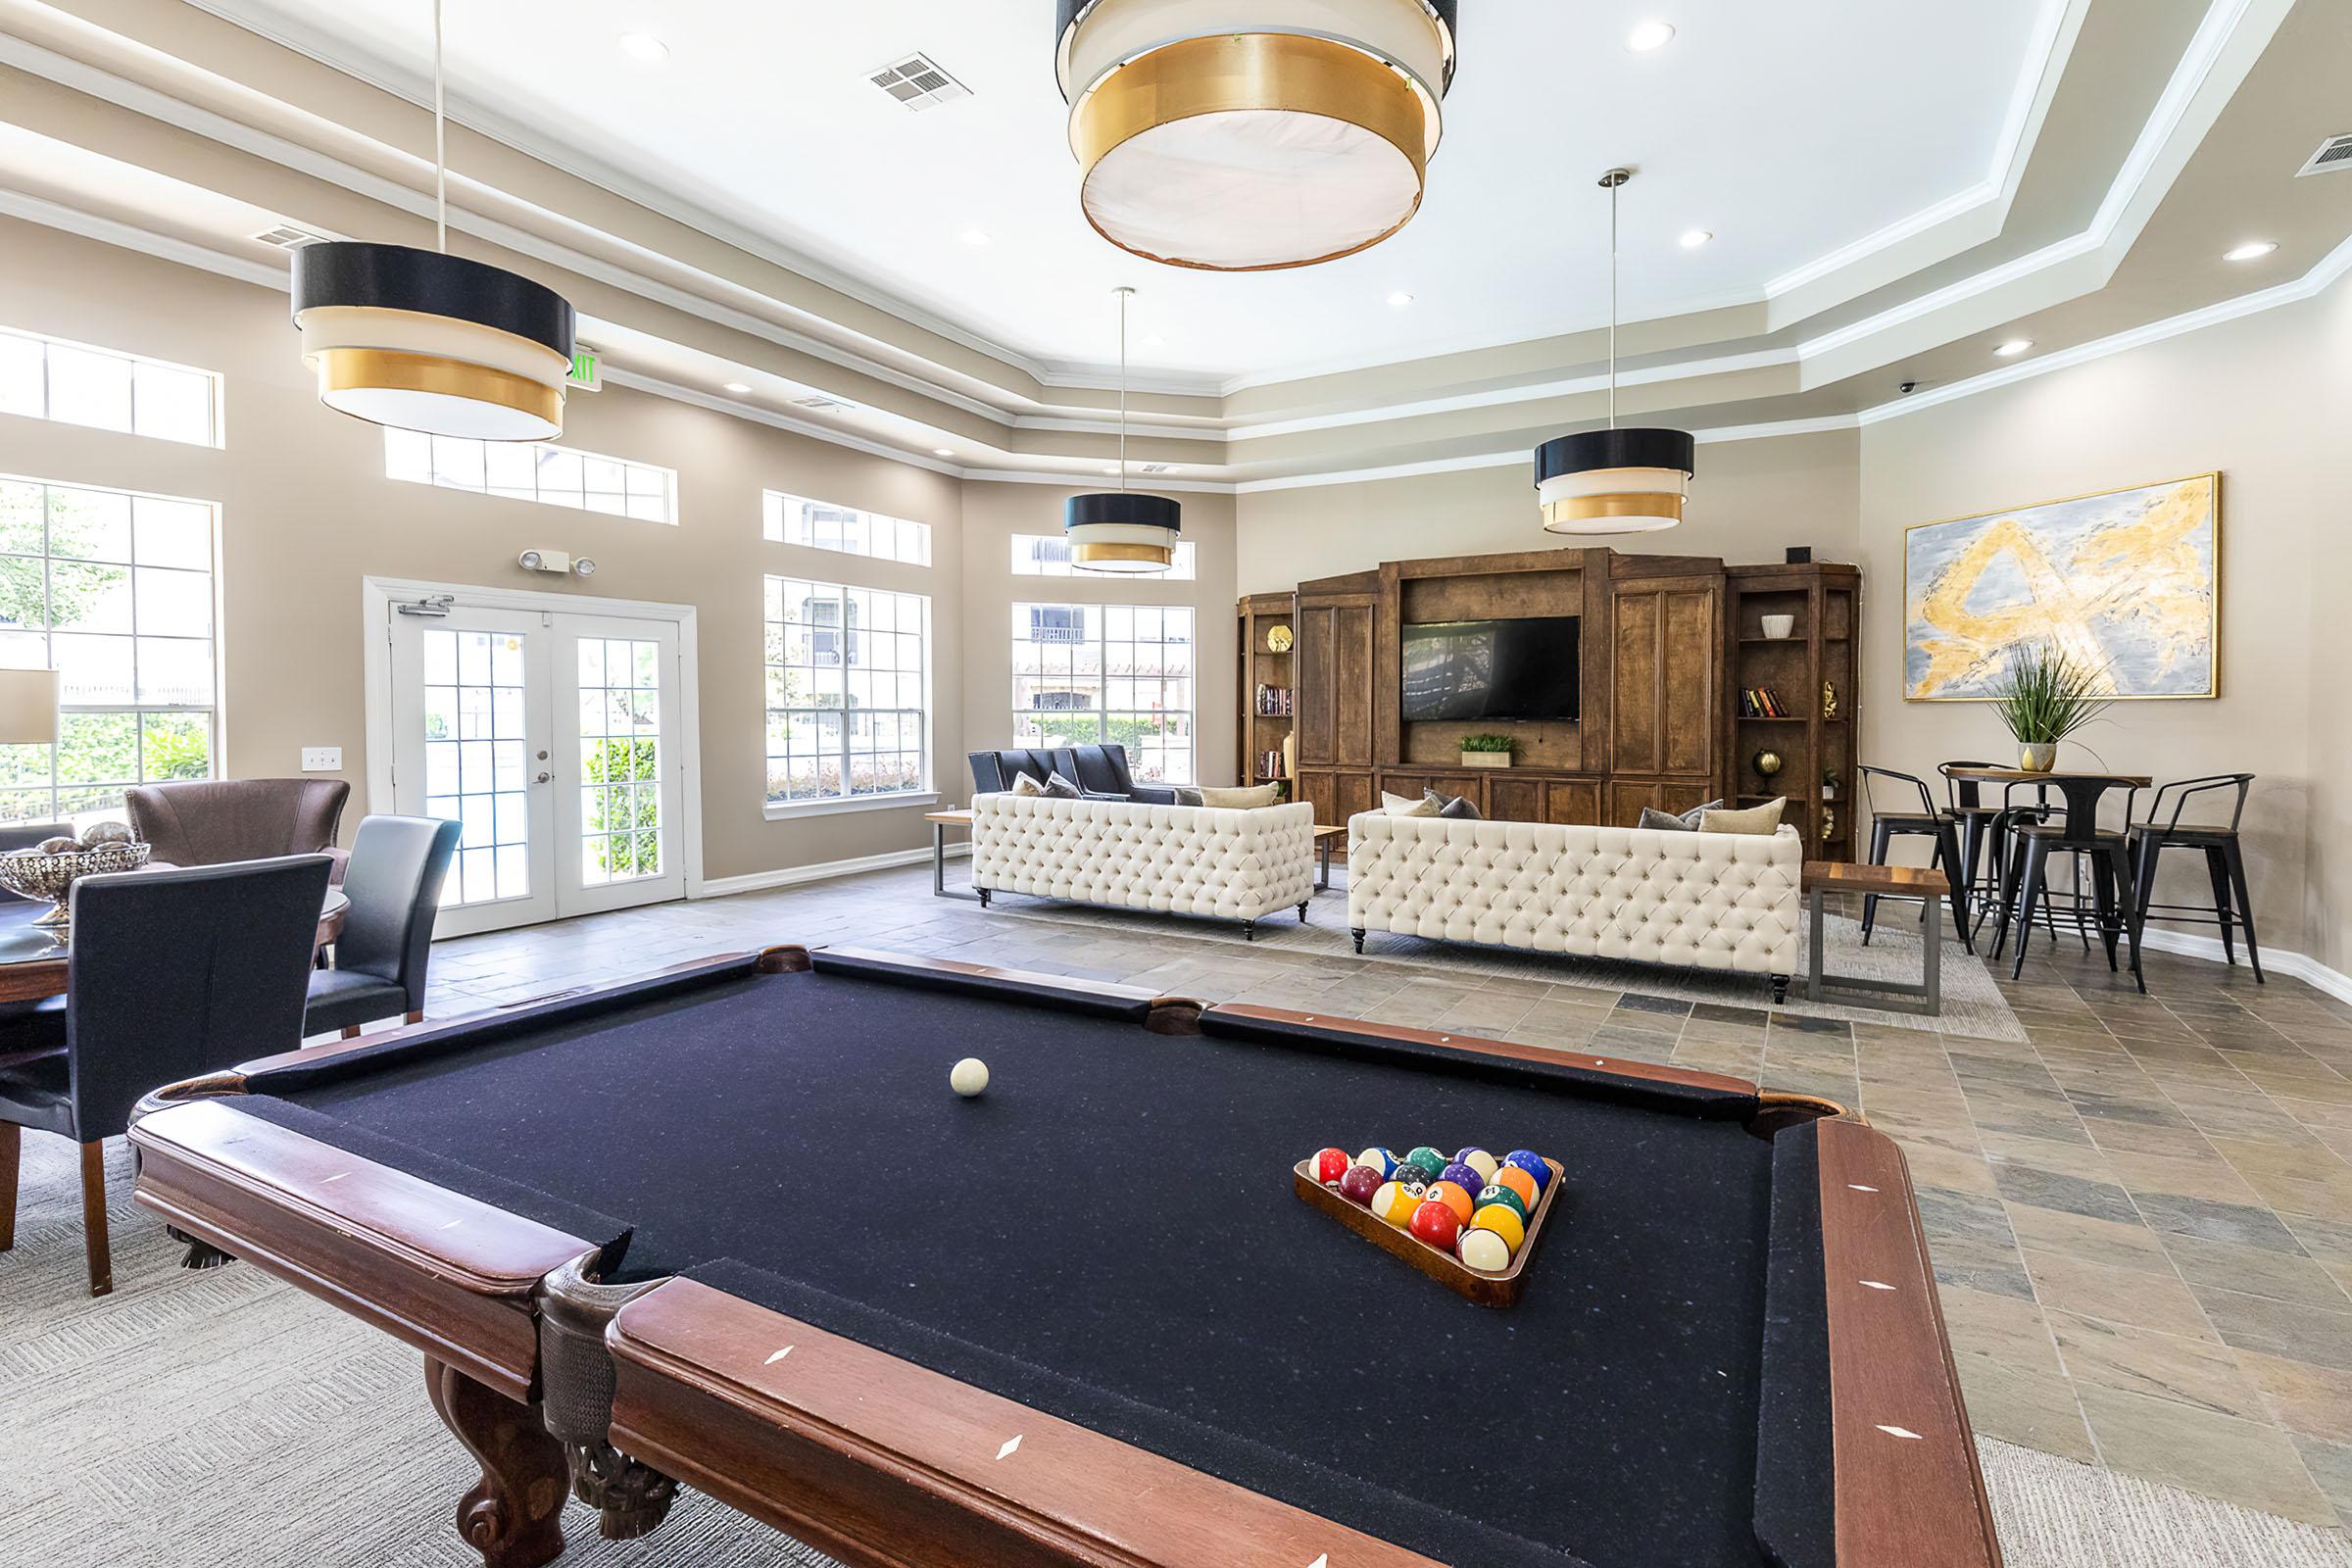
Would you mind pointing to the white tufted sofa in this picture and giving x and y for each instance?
(1187, 859)
(1708, 900)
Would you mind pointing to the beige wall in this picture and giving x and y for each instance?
(2244, 398)
(1750, 501)
(307, 513)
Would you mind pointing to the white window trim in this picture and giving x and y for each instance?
(778, 811)
(770, 496)
(217, 440)
(1097, 612)
(774, 809)
(669, 480)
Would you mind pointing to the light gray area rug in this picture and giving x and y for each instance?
(1973, 1004)
(223, 1418)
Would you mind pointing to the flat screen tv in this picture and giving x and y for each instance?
(1479, 670)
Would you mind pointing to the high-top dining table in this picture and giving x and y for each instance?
(2083, 788)
(32, 957)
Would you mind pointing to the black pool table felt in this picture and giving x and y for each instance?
(1108, 1234)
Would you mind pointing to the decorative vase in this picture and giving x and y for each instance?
(1829, 700)
(50, 878)
(1778, 627)
(2036, 757)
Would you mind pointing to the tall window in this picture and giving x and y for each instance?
(115, 592)
(1047, 555)
(848, 677)
(798, 520)
(1084, 674)
(534, 471)
(46, 378)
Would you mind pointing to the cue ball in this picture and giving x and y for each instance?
(969, 1076)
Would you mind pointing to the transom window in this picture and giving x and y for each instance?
(799, 520)
(1047, 555)
(534, 471)
(1088, 675)
(849, 680)
(49, 378)
(115, 592)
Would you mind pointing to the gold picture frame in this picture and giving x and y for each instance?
(2129, 579)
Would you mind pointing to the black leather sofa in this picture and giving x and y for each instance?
(1099, 771)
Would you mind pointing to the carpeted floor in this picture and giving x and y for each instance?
(222, 1417)
(1973, 1004)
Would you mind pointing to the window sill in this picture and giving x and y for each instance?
(784, 810)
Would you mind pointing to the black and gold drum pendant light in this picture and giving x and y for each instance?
(1613, 481)
(1237, 136)
(424, 340)
(1120, 530)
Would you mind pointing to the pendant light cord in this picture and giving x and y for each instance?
(1614, 186)
(440, 146)
(1126, 294)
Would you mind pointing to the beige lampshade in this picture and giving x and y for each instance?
(28, 707)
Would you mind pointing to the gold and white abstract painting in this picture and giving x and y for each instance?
(2127, 583)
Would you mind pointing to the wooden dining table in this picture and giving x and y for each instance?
(34, 957)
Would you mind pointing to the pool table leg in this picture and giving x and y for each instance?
(513, 1516)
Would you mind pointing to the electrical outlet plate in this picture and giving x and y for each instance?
(322, 759)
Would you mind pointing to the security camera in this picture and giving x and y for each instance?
(1906, 388)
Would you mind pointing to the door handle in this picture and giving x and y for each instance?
(543, 778)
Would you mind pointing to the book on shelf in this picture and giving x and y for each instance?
(1274, 701)
(1762, 702)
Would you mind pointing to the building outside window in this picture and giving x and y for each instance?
(115, 592)
(849, 680)
(1090, 674)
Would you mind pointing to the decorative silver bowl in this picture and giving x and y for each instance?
(31, 874)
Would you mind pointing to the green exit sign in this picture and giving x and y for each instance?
(584, 373)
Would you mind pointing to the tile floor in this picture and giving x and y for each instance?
(2142, 1218)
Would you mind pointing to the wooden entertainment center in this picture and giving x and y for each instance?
(1668, 645)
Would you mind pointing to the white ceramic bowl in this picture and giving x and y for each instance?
(1777, 626)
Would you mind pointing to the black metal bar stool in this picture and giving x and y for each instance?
(2225, 865)
(1926, 822)
(1964, 803)
(2077, 833)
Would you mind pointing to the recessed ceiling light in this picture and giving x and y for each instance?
(975, 237)
(739, 388)
(643, 46)
(2014, 347)
(1399, 300)
(1649, 35)
(943, 452)
(2252, 250)
(1693, 238)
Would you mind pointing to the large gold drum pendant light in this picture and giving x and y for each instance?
(1611, 480)
(1240, 135)
(424, 340)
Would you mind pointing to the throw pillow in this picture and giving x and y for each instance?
(1186, 794)
(1406, 805)
(1677, 823)
(1242, 798)
(1456, 807)
(1061, 789)
(1765, 819)
(1028, 786)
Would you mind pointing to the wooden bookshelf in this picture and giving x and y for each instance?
(1816, 747)
(1269, 681)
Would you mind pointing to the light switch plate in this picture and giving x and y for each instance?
(323, 758)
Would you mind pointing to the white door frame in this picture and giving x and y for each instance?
(377, 596)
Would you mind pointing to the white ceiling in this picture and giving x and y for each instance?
(1789, 129)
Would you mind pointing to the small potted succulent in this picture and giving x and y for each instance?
(2045, 695)
(1486, 751)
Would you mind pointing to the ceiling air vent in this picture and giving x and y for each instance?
(290, 236)
(2335, 154)
(917, 83)
(1154, 468)
(821, 404)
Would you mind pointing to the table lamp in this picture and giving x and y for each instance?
(28, 707)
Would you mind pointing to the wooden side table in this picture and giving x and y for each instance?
(1824, 877)
(1325, 838)
(940, 823)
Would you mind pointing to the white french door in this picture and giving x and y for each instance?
(554, 740)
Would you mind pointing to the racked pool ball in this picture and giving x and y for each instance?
(1330, 1166)
(1504, 1221)
(1380, 1159)
(1484, 1249)
(1467, 1177)
(1456, 1197)
(1430, 1161)
(1520, 1182)
(1393, 1204)
(1496, 1193)
(1528, 1160)
(1479, 1161)
(1437, 1224)
(1358, 1183)
(1408, 1176)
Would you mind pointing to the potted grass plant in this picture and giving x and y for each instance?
(2045, 695)
(1486, 751)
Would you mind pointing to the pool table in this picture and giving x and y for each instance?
(728, 1227)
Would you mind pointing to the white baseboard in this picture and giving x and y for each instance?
(2274, 960)
(790, 875)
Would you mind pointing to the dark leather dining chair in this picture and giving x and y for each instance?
(173, 974)
(394, 884)
(212, 822)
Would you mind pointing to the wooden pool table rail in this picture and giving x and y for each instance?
(880, 1462)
